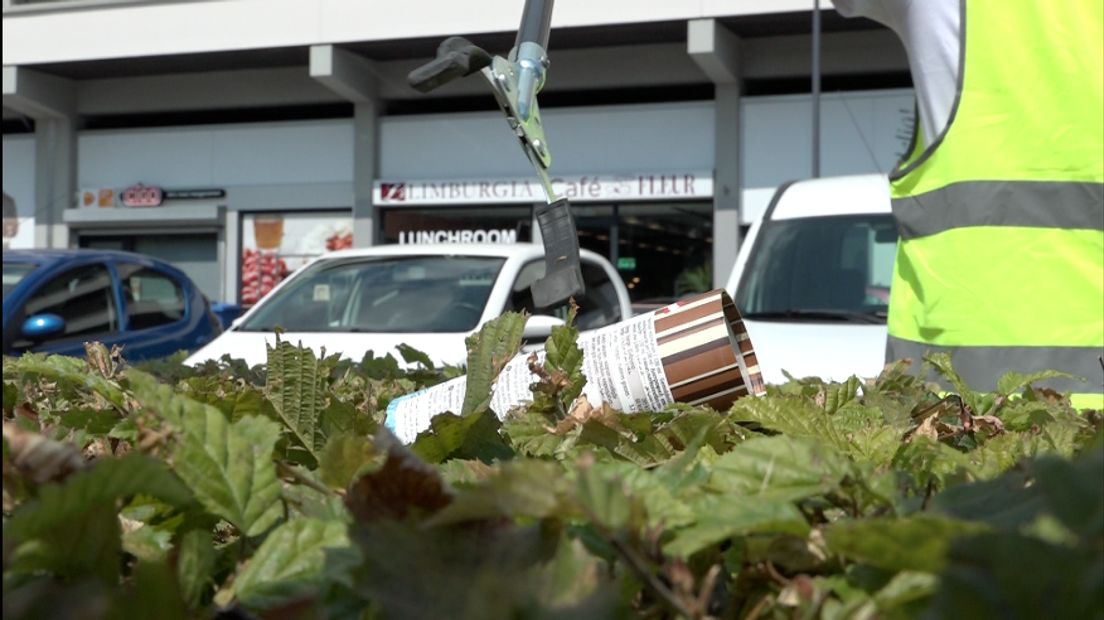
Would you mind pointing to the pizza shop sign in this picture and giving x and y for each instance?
(586, 188)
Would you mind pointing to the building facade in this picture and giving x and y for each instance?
(238, 138)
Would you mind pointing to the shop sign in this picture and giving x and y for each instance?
(586, 188)
(626, 263)
(458, 236)
(140, 195)
(100, 198)
(194, 194)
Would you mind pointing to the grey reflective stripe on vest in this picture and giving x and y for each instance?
(1031, 204)
(981, 367)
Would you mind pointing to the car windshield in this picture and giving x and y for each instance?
(833, 268)
(13, 274)
(382, 294)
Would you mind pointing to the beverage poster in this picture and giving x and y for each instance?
(274, 245)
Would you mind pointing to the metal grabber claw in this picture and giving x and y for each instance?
(515, 82)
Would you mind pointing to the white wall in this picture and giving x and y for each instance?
(19, 183)
(37, 34)
(608, 139)
(611, 139)
(861, 132)
(218, 155)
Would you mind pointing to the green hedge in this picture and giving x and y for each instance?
(275, 492)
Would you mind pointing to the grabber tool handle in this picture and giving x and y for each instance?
(456, 57)
(536, 21)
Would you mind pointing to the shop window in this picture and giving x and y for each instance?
(194, 253)
(152, 298)
(665, 250)
(82, 297)
(274, 245)
(597, 228)
(598, 306)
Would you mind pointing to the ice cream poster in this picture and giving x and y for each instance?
(276, 244)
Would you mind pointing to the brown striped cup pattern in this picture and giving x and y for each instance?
(706, 351)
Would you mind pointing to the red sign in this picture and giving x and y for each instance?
(393, 191)
(142, 196)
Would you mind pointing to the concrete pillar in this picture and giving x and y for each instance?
(366, 222)
(51, 102)
(716, 50)
(55, 180)
(353, 77)
(229, 248)
(726, 182)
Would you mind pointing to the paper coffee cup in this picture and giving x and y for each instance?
(696, 351)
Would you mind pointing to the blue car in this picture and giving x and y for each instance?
(56, 300)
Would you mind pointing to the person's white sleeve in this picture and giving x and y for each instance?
(882, 11)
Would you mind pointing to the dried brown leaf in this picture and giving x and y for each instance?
(403, 487)
(40, 459)
(25, 410)
(927, 428)
(821, 397)
(1050, 396)
(106, 363)
(990, 425)
(97, 448)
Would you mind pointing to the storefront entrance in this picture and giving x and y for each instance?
(662, 250)
(196, 254)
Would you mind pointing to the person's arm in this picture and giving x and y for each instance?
(882, 11)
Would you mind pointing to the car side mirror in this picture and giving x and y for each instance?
(42, 326)
(539, 327)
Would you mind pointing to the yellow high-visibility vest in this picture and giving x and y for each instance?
(1001, 258)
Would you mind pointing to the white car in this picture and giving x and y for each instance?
(430, 297)
(812, 278)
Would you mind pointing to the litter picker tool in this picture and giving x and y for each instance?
(515, 81)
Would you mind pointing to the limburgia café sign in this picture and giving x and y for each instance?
(586, 188)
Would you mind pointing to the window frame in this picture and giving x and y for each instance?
(19, 344)
(745, 289)
(120, 267)
(296, 281)
(508, 304)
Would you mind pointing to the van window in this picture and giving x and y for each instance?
(835, 268)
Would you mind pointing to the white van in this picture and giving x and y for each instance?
(812, 278)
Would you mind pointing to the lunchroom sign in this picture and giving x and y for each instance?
(586, 188)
